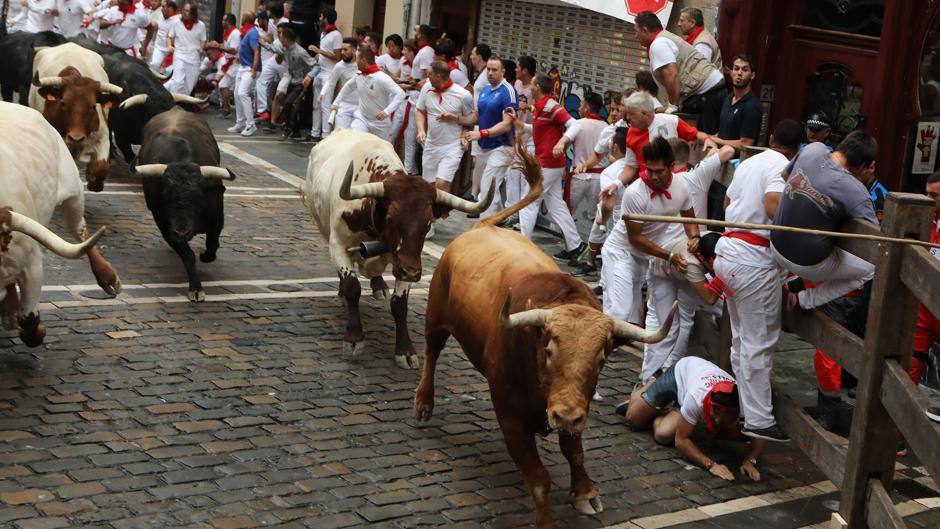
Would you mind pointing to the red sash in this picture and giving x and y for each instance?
(748, 237)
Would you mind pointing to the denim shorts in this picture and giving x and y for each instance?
(663, 391)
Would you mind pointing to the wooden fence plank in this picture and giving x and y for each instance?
(822, 332)
(865, 249)
(891, 317)
(906, 404)
(826, 450)
(920, 272)
(880, 511)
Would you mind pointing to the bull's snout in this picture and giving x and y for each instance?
(410, 273)
(74, 137)
(567, 418)
(180, 234)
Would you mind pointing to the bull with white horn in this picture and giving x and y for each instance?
(357, 192)
(37, 174)
(179, 162)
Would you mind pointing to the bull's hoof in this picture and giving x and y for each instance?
(207, 257)
(96, 185)
(353, 348)
(379, 288)
(587, 505)
(380, 295)
(423, 410)
(111, 287)
(196, 295)
(33, 337)
(407, 361)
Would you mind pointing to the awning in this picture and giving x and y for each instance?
(627, 9)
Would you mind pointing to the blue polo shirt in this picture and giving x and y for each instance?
(491, 105)
(740, 119)
(246, 48)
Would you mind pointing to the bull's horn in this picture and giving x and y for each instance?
(454, 202)
(534, 317)
(46, 81)
(211, 171)
(347, 191)
(629, 331)
(159, 75)
(134, 100)
(151, 169)
(45, 237)
(183, 98)
(109, 88)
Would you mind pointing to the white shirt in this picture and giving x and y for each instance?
(664, 52)
(71, 14)
(331, 42)
(478, 84)
(704, 49)
(390, 63)
(36, 19)
(423, 60)
(583, 145)
(341, 74)
(163, 29)
(455, 100)
(377, 93)
(695, 377)
(459, 77)
(187, 43)
(754, 178)
(233, 40)
(609, 175)
(602, 147)
(124, 34)
(699, 179)
(636, 200)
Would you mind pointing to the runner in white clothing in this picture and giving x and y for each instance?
(479, 56)
(745, 263)
(328, 53)
(186, 40)
(585, 185)
(378, 96)
(657, 192)
(441, 104)
(122, 22)
(444, 51)
(344, 71)
(391, 63)
(271, 70)
(40, 15)
(166, 18)
(71, 15)
(424, 56)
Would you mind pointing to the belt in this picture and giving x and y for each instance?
(748, 237)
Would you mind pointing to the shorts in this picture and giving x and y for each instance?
(927, 331)
(663, 392)
(228, 79)
(441, 163)
(283, 84)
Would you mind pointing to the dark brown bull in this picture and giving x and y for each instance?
(538, 336)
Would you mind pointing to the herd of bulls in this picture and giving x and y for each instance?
(537, 334)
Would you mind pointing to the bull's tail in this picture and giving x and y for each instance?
(3, 18)
(532, 172)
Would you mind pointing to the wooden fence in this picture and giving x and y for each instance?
(888, 404)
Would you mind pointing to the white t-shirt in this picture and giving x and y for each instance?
(637, 200)
(71, 14)
(664, 52)
(754, 177)
(524, 93)
(699, 179)
(187, 43)
(705, 50)
(377, 93)
(233, 40)
(124, 34)
(341, 74)
(163, 30)
(478, 84)
(330, 42)
(583, 146)
(423, 60)
(455, 100)
(36, 18)
(602, 146)
(460, 78)
(390, 63)
(695, 377)
(609, 175)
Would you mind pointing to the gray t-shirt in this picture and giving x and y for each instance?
(819, 195)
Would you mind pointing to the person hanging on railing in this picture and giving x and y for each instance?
(928, 325)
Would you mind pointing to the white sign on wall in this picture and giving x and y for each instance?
(925, 147)
(627, 9)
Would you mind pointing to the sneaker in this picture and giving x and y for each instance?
(226, 114)
(511, 221)
(773, 433)
(827, 410)
(430, 233)
(262, 116)
(586, 269)
(578, 255)
(599, 290)
(565, 255)
(902, 448)
(597, 396)
(235, 128)
(249, 131)
(293, 135)
(933, 413)
(313, 139)
(269, 128)
(621, 408)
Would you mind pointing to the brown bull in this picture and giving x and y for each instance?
(537, 334)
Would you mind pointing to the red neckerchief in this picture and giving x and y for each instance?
(406, 62)
(453, 65)
(329, 28)
(723, 387)
(694, 35)
(129, 10)
(540, 104)
(226, 33)
(423, 44)
(371, 69)
(592, 115)
(440, 93)
(665, 192)
(245, 29)
(189, 24)
(652, 39)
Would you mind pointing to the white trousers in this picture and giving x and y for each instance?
(661, 293)
(836, 275)
(755, 327)
(184, 78)
(319, 121)
(156, 59)
(496, 163)
(623, 276)
(271, 73)
(398, 119)
(244, 109)
(372, 126)
(345, 115)
(557, 209)
(410, 140)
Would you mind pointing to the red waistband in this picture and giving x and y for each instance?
(748, 237)
(595, 170)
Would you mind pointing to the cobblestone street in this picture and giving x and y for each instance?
(148, 411)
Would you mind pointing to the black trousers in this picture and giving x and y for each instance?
(708, 107)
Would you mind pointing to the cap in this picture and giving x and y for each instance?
(817, 120)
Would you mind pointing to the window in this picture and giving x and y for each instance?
(859, 17)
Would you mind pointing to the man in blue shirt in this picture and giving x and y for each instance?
(495, 136)
(249, 64)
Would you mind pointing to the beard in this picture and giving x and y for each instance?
(742, 84)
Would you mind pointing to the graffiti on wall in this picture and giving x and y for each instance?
(570, 92)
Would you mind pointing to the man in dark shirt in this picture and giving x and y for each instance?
(823, 191)
(741, 113)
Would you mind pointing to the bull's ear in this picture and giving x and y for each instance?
(50, 93)
(107, 100)
(440, 212)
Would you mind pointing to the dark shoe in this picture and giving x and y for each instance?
(585, 269)
(902, 448)
(269, 128)
(933, 413)
(621, 408)
(563, 256)
(313, 139)
(827, 410)
(851, 393)
(599, 290)
(773, 433)
(578, 255)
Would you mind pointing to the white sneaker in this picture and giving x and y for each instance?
(430, 233)
(597, 397)
(250, 130)
(235, 128)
